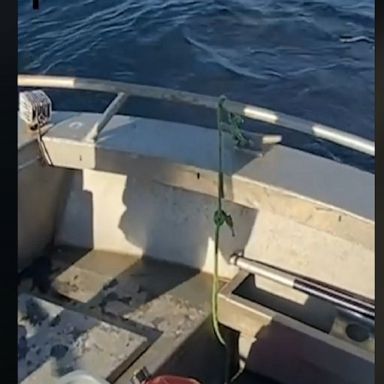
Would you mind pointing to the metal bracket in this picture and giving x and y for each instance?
(140, 377)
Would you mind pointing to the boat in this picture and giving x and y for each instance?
(149, 247)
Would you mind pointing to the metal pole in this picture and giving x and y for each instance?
(340, 299)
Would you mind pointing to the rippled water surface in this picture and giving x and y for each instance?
(313, 59)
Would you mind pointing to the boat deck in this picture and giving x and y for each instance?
(158, 307)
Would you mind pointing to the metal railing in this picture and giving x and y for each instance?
(123, 90)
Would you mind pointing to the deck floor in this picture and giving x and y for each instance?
(54, 341)
(152, 300)
(159, 305)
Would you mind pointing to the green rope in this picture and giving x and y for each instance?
(219, 218)
(231, 122)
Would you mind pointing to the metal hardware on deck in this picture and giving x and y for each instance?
(354, 304)
(140, 377)
(111, 110)
(256, 113)
(253, 267)
(268, 139)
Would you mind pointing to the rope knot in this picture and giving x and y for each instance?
(220, 218)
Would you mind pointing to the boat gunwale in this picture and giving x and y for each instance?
(124, 90)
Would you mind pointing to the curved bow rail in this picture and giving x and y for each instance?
(124, 90)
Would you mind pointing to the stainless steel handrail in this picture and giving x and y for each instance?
(256, 113)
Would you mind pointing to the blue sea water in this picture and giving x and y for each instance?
(312, 59)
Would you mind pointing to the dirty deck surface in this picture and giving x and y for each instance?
(135, 312)
(147, 304)
(54, 341)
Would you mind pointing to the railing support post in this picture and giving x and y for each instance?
(110, 111)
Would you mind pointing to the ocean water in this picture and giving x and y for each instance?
(312, 59)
